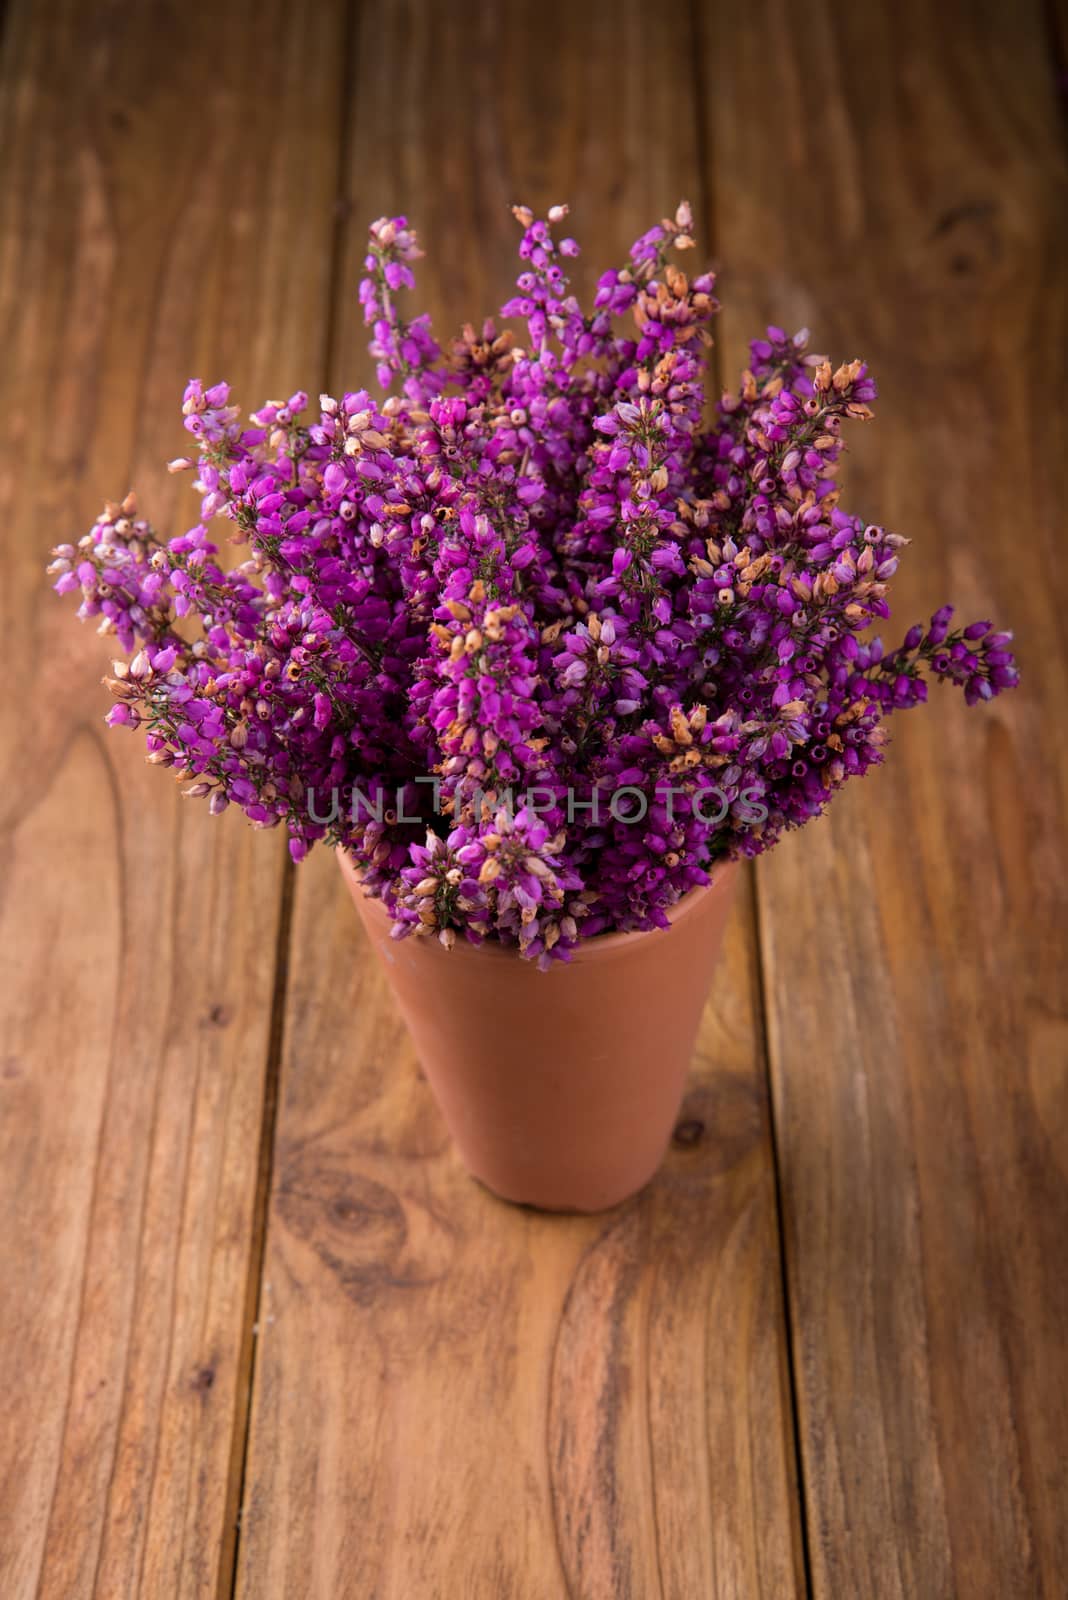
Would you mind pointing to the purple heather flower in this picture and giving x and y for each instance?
(528, 638)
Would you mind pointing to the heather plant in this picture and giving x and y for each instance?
(527, 637)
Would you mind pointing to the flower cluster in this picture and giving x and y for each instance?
(528, 638)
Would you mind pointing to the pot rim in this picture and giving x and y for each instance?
(601, 945)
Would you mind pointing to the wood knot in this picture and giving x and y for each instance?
(374, 1239)
(968, 238)
(689, 1133)
(203, 1379)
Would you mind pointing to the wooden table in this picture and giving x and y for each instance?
(260, 1334)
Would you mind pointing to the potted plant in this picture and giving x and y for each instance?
(542, 655)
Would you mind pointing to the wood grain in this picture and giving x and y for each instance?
(149, 216)
(902, 192)
(454, 1397)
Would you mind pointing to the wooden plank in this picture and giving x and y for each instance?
(899, 187)
(454, 1397)
(166, 209)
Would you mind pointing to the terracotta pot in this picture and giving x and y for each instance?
(560, 1088)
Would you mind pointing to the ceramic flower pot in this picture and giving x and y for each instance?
(560, 1088)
